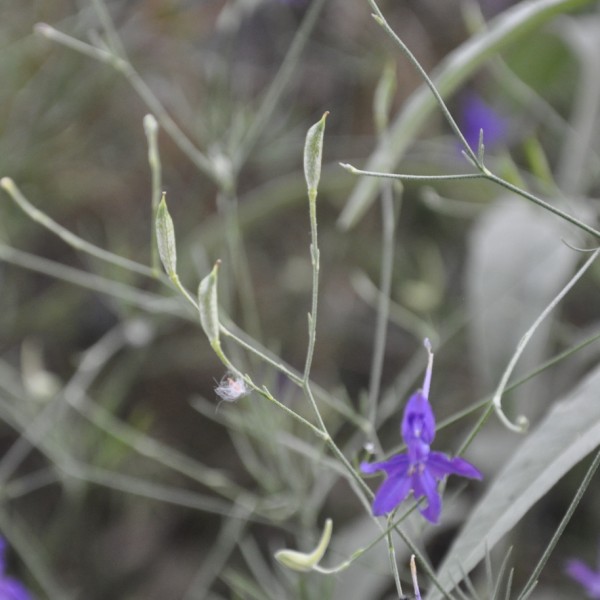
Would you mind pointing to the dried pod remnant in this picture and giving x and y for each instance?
(232, 387)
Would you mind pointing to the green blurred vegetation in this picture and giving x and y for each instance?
(137, 485)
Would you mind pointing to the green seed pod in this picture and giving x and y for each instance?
(165, 238)
(313, 151)
(304, 562)
(208, 305)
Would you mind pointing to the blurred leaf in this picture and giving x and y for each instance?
(578, 166)
(384, 96)
(517, 263)
(567, 434)
(545, 65)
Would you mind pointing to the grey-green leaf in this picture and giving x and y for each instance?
(313, 153)
(208, 305)
(569, 432)
(516, 258)
(165, 238)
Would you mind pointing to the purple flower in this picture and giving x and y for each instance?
(419, 469)
(10, 589)
(477, 115)
(585, 576)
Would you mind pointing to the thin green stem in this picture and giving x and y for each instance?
(253, 346)
(281, 80)
(476, 159)
(536, 200)
(149, 302)
(68, 41)
(306, 385)
(422, 560)
(394, 563)
(9, 186)
(264, 392)
(484, 173)
(112, 37)
(356, 554)
(388, 219)
(314, 255)
(279, 365)
(408, 177)
(487, 402)
(476, 428)
(225, 544)
(561, 527)
(312, 318)
(320, 431)
(168, 123)
(28, 546)
(177, 283)
(144, 92)
(509, 388)
(139, 85)
(340, 456)
(32, 482)
(227, 204)
(417, 65)
(160, 493)
(521, 426)
(151, 130)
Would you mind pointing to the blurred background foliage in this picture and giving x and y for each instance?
(135, 488)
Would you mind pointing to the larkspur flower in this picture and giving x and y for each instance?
(419, 469)
(10, 589)
(585, 576)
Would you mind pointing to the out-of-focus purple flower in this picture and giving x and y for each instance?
(419, 469)
(585, 576)
(477, 115)
(10, 589)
